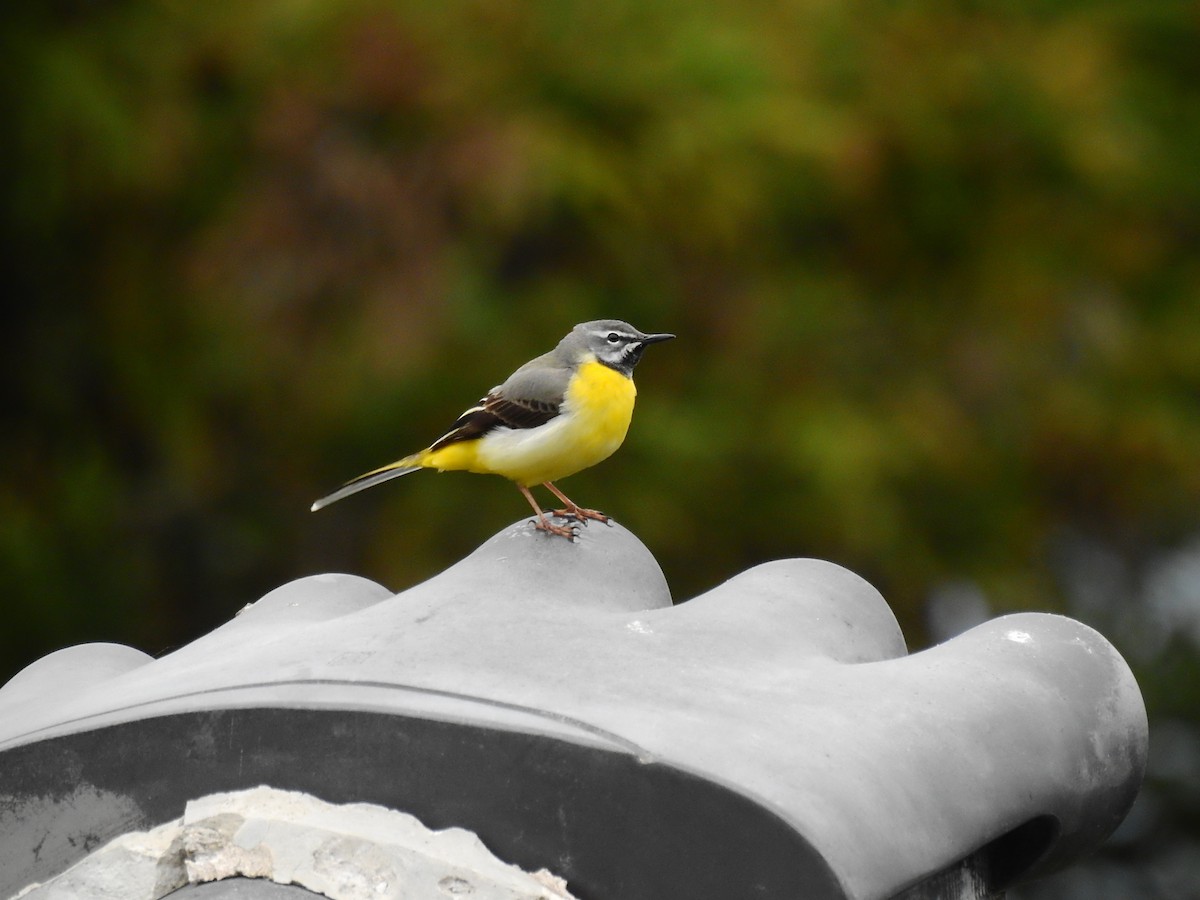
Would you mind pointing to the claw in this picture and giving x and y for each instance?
(573, 510)
(561, 530)
(579, 514)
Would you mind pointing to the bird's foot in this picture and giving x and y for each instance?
(579, 514)
(567, 531)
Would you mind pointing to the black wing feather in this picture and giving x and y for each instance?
(493, 411)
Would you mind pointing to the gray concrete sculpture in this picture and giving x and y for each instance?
(770, 738)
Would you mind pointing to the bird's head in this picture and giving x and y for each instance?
(614, 343)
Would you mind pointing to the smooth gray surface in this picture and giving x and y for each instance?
(789, 683)
(242, 889)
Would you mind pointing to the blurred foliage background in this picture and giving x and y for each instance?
(934, 270)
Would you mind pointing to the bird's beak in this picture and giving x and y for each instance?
(655, 338)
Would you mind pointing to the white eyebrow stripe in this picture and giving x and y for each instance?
(605, 332)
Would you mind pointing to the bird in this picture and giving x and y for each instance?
(556, 415)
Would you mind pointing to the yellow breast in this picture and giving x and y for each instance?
(597, 409)
(600, 401)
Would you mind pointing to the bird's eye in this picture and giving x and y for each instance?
(613, 337)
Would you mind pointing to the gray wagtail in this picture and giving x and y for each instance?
(555, 416)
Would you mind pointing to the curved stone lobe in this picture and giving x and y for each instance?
(789, 685)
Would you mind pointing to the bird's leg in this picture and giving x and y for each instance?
(544, 524)
(573, 509)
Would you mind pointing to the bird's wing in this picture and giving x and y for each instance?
(529, 398)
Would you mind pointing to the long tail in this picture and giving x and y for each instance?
(370, 479)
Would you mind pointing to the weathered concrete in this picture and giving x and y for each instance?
(351, 852)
